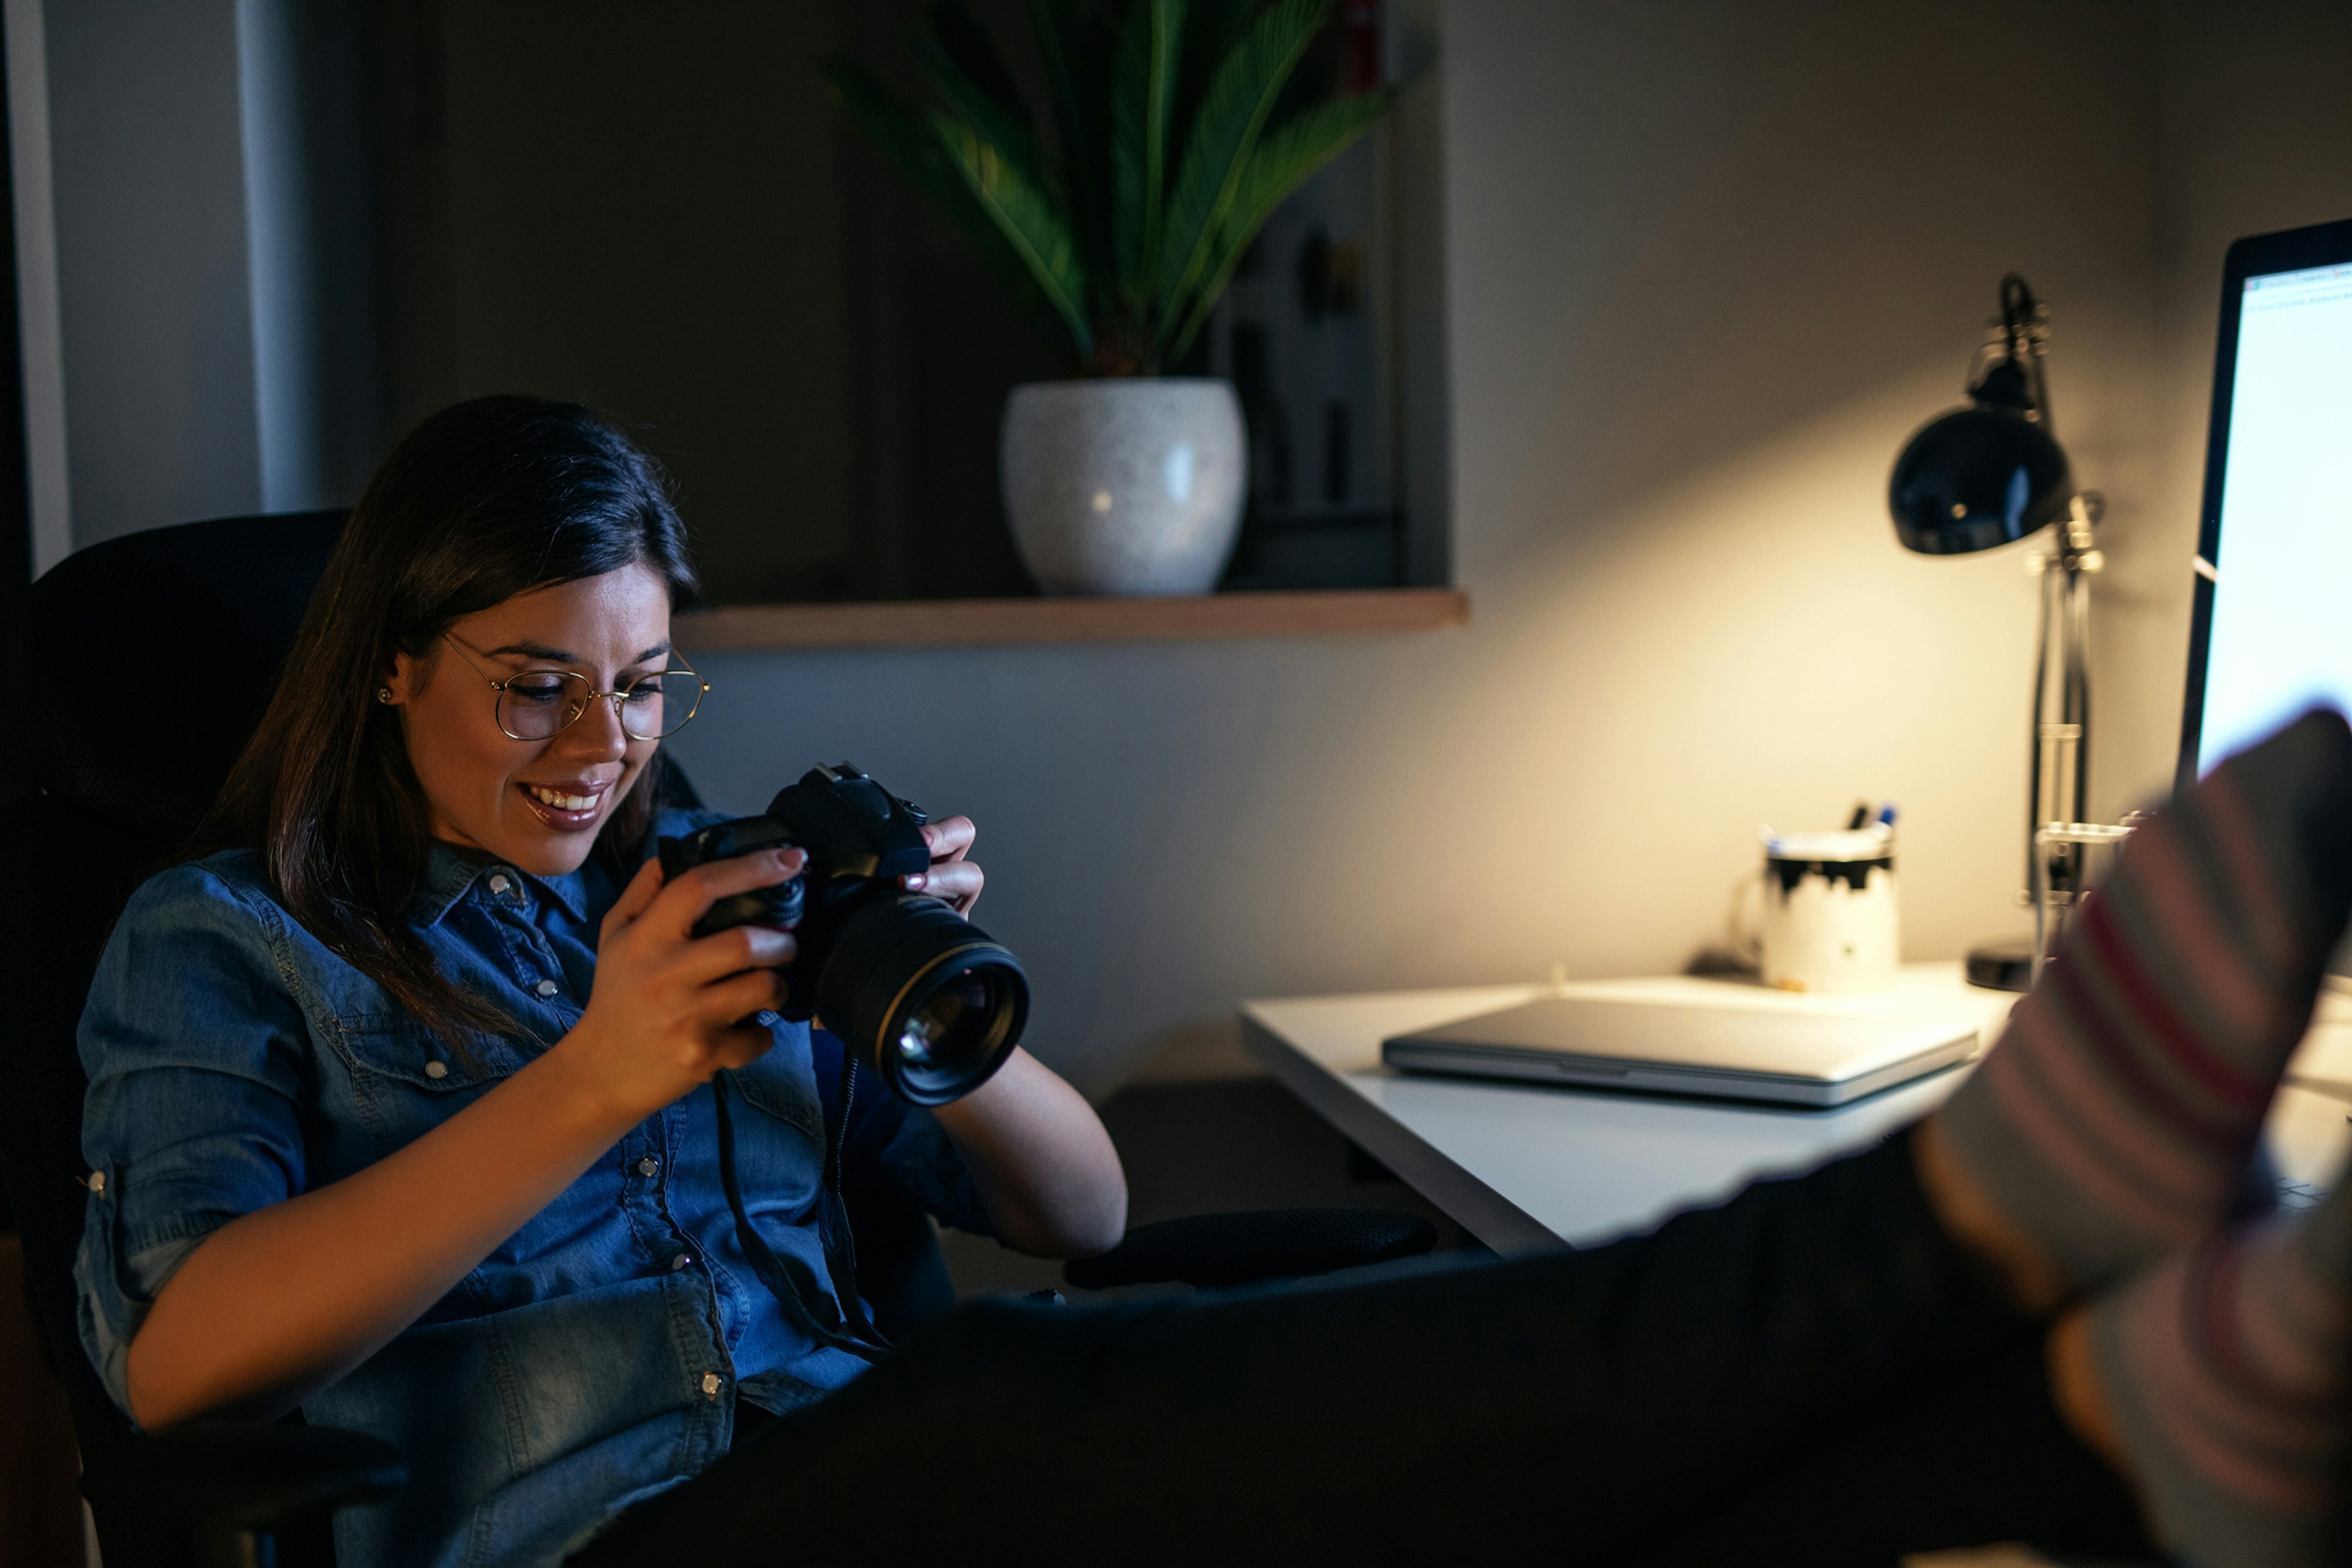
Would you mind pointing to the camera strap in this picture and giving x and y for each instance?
(841, 1262)
(781, 1279)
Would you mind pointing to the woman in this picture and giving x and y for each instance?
(404, 1103)
(336, 1171)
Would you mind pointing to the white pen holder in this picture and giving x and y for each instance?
(1829, 919)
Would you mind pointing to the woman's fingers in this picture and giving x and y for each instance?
(951, 839)
(636, 899)
(730, 951)
(959, 882)
(741, 1048)
(725, 1001)
(690, 894)
(951, 877)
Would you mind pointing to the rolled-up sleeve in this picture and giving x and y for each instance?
(194, 1050)
(926, 1166)
(897, 1145)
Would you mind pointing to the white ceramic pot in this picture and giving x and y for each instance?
(1131, 485)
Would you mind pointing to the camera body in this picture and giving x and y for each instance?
(913, 989)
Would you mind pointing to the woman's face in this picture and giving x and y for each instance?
(533, 803)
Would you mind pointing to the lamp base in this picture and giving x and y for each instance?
(2005, 965)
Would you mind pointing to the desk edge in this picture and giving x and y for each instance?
(1484, 1213)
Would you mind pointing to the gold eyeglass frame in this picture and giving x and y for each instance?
(622, 693)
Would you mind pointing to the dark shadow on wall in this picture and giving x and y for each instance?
(657, 210)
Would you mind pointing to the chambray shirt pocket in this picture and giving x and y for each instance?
(782, 1083)
(781, 1152)
(405, 1080)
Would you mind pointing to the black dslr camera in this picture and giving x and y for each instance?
(915, 991)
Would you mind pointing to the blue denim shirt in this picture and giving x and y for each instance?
(597, 1354)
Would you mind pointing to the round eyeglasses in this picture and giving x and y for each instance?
(537, 704)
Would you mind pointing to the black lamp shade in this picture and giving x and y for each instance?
(1976, 479)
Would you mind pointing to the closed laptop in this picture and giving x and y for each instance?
(1737, 1053)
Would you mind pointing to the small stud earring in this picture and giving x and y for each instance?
(383, 694)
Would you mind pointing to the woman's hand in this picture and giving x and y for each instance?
(951, 877)
(666, 1010)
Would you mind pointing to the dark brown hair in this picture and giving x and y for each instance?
(482, 501)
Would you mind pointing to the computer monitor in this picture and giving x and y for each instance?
(2272, 629)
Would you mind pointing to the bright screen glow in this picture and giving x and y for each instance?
(2281, 626)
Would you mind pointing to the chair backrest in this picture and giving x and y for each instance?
(151, 656)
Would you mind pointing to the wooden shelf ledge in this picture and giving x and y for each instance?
(918, 623)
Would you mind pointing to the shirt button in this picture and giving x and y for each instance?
(547, 988)
(710, 1384)
(648, 1165)
(97, 1182)
(437, 1069)
(680, 1261)
(499, 884)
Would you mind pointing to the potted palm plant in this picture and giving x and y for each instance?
(1172, 141)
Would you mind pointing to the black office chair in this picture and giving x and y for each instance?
(199, 617)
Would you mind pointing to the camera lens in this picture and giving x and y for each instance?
(952, 1021)
(922, 997)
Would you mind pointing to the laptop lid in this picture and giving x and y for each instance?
(1805, 1057)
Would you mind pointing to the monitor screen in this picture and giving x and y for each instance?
(2275, 627)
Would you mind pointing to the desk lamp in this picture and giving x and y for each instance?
(1988, 475)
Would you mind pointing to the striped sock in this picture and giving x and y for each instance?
(2223, 1369)
(2111, 1121)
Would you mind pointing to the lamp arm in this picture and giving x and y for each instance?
(2036, 740)
(2059, 772)
(2038, 369)
(2078, 677)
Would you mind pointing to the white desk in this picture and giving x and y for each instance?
(1526, 1167)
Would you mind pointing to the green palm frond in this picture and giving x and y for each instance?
(903, 134)
(1166, 20)
(960, 62)
(1285, 159)
(1131, 70)
(1233, 110)
(1076, 55)
(964, 47)
(1209, 34)
(1029, 218)
(1165, 159)
(1142, 109)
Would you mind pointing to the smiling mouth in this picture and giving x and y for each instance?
(561, 808)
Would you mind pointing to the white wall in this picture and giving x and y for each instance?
(1708, 264)
(215, 305)
(153, 265)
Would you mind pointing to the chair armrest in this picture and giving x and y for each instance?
(240, 1475)
(1245, 1248)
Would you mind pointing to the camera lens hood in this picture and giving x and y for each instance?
(929, 1000)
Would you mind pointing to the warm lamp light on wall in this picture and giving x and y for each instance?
(1989, 475)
